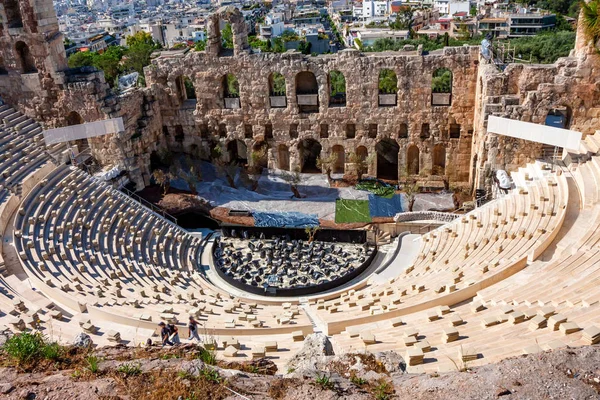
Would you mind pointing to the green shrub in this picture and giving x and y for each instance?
(210, 375)
(324, 381)
(28, 347)
(52, 351)
(130, 369)
(383, 390)
(208, 356)
(92, 363)
(358, 381)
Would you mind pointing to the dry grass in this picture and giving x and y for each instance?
(279, 387)
(160, 385)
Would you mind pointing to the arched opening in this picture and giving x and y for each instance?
(13, 14)
(403, 131)
(283, 157)
(260, 155)
(337, 89)
(441, 87)
(438, 160)
(277, 90)
(307, 92)
(3, 70)
(387, 159)
(340, 160)
(231, 91)
(559, 117)
(190, 90)
(412, 160)
(388, 88)
(309, 151)
(361, 155)
(238, 152)
(25, 58)
(73, 118)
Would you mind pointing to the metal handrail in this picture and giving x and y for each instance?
(146, 203)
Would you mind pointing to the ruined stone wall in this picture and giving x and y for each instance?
(528, 93)
(361, 73)
(31, 54)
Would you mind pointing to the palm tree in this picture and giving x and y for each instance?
(591, 20)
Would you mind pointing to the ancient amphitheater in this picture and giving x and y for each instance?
(516, 275)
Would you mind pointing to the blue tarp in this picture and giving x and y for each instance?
(287, 219)
(382, 207)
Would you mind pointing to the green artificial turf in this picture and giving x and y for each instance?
(347, 211)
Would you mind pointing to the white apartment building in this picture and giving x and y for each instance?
(375, 8)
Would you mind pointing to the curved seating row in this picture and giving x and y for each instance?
(104, 257)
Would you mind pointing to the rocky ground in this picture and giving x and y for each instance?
(315, 373)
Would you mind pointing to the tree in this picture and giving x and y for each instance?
(441, 81)
(139, 48)
(404, 20)
(191, 177)
(81, 59)
(232, 86)
(337, 83)
(388, 82)
(293, 179)
(200, 45)
(327, 163)
(473, 11)
(277, 84)
(163, 179)
(311, 232)
(304, 47)
(278, 45)
(110, 63)
(361, 164)
(562, 24)
(411, 189)
(227, 37)
(463, 32)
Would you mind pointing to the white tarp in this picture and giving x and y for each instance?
(535, 132)
(83, 131)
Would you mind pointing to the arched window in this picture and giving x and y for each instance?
(307, 92)
(412, 160)
(387, 159)
(277, 90)
(337, 89)
(388, 88)
(283, 157)
(25, 58)
(309, 151)
(438, 160)
(441, 87)
(340, 159)
(231, 91)
(13, 14)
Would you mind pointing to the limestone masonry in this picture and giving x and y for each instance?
(412, 132)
